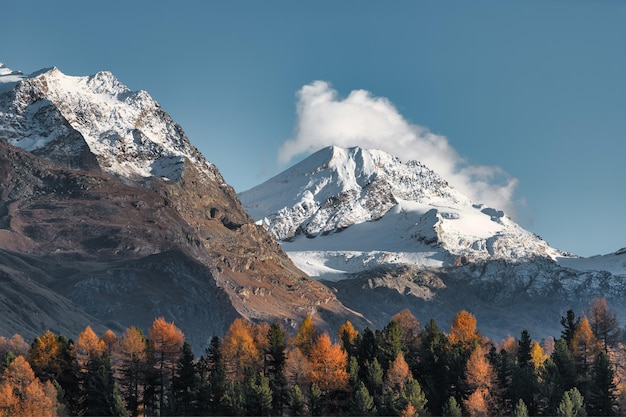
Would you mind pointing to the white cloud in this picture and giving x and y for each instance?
(361, 119)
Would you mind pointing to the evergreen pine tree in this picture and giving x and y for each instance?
(415, 396)
(217, 377)
(602, 391)
(101, 393)
(185, 383)
(234, 398)
(520, 409)
(563, 360)
(434, 366)
(524, 384)
(373, 378)
(257, 394)
(524, 356)
(151, 381)
(316, 401)
(362, 402)
(276, 359)
(572, 405)
(451, 408)
(353, 370)
(570, 323)
(297, 402)
(389, 343)
(366, 349)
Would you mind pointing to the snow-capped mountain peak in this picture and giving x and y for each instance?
(62, 117)
(387, 212)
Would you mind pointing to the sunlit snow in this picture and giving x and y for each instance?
(348, 210)
(127, 130)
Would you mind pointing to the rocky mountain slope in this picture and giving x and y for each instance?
(387, 235)
(107, 211)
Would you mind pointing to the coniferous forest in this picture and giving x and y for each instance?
(405, 369)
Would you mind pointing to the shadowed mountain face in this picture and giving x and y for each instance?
(109, 217)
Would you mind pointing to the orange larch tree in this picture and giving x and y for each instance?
(585, 348)
(463, 329)
(603, 322)
(240, 349)
(297, 367)
(479, 373)
(481, 379)
(109, 338)
(328, 365)
(88, 346)
(409, 324)
(398, 374)
(22, 394)
(130, 362)
(477, 403)
(168, 343)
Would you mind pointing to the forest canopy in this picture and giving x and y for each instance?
(262, 368)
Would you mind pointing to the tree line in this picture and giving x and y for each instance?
(262, 369)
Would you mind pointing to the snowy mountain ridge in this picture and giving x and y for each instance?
(127, 131)
(347, 210)
(391, 235)
(109, 216)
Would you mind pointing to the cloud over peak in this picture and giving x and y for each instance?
(362, 119)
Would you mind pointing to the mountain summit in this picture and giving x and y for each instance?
(94, 122)
(348, 210)
(110, 217)
(387, 235)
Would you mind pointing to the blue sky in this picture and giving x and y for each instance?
(533, 91)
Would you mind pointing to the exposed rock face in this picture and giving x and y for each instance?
(108, 212)
(505, 297)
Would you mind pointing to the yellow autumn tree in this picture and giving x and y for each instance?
(239, 349)
(88, 346)
(537, 355)
(585, 348)
(168, 343)
(463, 329)
(328, 365)
(347, 334)
(130, 362)
(44, 356)
(305, 336)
